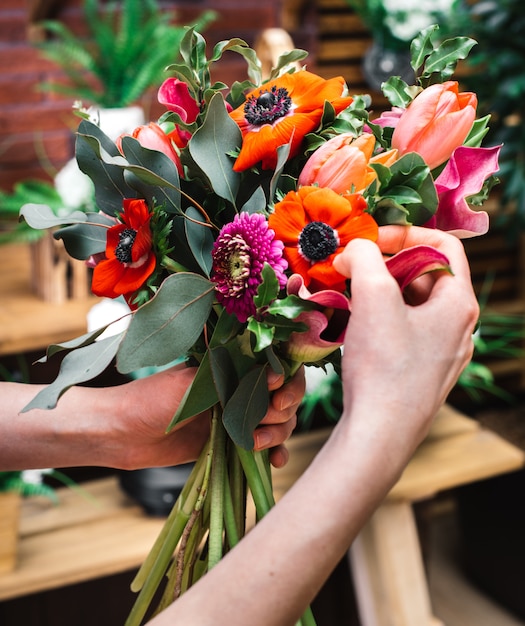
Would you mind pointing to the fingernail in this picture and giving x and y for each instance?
(263, 439)
(287, 400)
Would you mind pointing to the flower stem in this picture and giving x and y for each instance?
(218, 472)
(255, 482)
(151, 573)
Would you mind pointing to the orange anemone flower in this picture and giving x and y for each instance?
(130, 260)
(315, 224)
(284, 111)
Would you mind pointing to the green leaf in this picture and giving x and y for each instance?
(83, 240)
(210, 145)
(79, 342)
(268, 290)
(200, 239)
(164, 185)
(97, 157)
(422, 46)
(199, 396)
(167, 326)
(477, 132)
(256, 203)
(247, 407)
(223, 373)
(444, 59)
(42, 216)
(78, 366)
(397, 92)
(291, 306)
(263, 333)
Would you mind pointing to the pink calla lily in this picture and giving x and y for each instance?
(326, 326)
(409, 264)
(463, 176)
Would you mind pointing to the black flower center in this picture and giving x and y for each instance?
(318, 241)
(125, 245)
(268, 107)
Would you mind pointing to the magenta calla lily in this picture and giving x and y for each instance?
(463, 176)
(409, 264)
(326, 325)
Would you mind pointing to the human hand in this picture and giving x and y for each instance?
(400, 361)
(143, 422)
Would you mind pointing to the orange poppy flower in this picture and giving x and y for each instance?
(284, 111)
(130, 260)
(315, 224)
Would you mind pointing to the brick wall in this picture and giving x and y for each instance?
(36, 128)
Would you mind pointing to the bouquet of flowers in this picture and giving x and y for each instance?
(219, 224)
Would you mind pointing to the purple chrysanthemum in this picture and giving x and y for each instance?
(239, 254)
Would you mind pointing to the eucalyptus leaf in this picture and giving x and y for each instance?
(247, 407)
(167, 326)
(83, 240)
(79, 366)
(79, 342)
(256, 203)
(200, 239)
(200, 396)
(210, 145)
(42, 216)
(223, 373)
(164, 186)
(92, 147)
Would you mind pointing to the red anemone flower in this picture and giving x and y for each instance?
(315, 224)
(284, 111)
(130, 260)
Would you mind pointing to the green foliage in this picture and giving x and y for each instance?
(129, 44)
(29, 191)
(496, 72)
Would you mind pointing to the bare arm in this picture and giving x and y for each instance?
(400, 362)
(125, 426)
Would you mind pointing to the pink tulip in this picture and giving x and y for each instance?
(326, 325)
(435, 123)
(343, 163)
(154, 138)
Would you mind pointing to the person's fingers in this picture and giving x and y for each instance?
(271, 435)
(279, 456)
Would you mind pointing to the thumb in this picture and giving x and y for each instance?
(359, 256)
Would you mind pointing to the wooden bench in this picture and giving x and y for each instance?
(387, 565)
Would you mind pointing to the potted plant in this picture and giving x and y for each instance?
(128, 45)
(14, 485)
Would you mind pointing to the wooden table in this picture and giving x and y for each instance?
(86, 538)
(27, 322)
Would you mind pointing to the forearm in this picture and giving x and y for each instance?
(286, 558)
(76, 433)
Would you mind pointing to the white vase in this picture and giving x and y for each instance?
(115, 122)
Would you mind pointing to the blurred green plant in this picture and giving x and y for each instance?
(129, 44)
(29, 191)
(496, 72)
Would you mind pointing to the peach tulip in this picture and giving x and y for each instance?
(435, 123)
(154, 138)
(343, 163)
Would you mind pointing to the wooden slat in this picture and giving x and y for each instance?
(28, 323)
